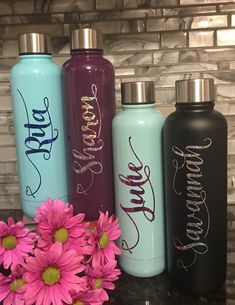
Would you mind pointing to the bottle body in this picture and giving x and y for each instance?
(137, 135)
(195, 152)
(39, 130)
(89, 106)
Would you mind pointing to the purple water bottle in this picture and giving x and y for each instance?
(89, 108)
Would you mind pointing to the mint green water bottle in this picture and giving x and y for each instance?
(138, 178)
(38, 120)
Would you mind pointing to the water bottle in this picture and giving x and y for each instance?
(89, 106)
(195, 151)
(38, 119)
(138, 177)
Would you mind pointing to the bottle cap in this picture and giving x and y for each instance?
(34, 43)
(137, 93)
(86, 39)
(195, 90)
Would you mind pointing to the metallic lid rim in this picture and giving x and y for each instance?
(31, 53)
(34, 43)
(86, 49)
(86, 38)
(139, 92)
(198, 90)
(137, 103)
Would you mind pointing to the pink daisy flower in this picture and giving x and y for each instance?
(57, 223)
(57, 207)
(92, 297)
(16, 242)
(102, 240)
(88, 296)
(51, 275)
(102, 277)
(11, 287)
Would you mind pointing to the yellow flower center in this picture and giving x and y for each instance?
(78, 302)
(61, 235)
(51, 275)
(104, 240)
(15, 285)
(98, 283)
(9, 242)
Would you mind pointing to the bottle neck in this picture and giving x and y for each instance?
(87, 52)
(36, 57)
(195, 107)
(143, 106)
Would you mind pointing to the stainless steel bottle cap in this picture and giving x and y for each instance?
(137, 93)
(86, 39)
(34, 43)
(195, 90)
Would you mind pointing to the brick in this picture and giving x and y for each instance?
(201, 38)
(225, 37)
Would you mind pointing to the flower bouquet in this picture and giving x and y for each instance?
(64, 262)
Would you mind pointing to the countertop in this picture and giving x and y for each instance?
(158, 291)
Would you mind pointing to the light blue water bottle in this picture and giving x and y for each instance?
(138, 178)
(38, 120)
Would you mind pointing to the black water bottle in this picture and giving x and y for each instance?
(195, 152)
